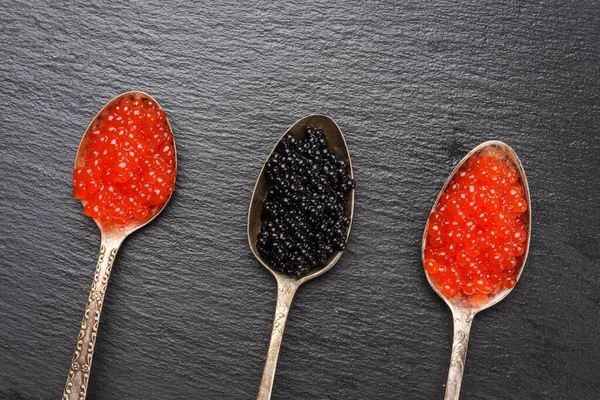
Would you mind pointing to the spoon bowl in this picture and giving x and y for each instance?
(287, 286)
(112, 236)
(464, 308)
(134, 224)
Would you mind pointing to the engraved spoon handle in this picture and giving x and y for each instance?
(79, 373)
(462, 327)
(285, 295)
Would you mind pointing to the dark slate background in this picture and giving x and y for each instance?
(414, 85)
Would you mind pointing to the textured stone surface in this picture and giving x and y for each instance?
(414, 85)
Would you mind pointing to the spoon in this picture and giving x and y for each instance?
(112, 236)
(463, 309)
(286, 286)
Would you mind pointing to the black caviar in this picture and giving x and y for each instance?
(303, 217)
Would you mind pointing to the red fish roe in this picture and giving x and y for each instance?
(478, 231)
(129, 166)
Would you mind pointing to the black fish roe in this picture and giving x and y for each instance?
(303, 218)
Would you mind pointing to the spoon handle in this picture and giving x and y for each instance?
(285, 295)
(79, 373)
(462, 327)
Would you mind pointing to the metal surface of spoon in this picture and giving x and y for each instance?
(112, 238)
(462, 309)
(286, 286)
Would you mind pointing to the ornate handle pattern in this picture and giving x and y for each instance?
(285, 295)
(462, 327)
(79, 373)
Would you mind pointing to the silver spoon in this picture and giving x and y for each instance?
(112, 238)
(286, 286)
(462, 309)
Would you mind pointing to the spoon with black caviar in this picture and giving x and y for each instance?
(300, 216)
(112, 233)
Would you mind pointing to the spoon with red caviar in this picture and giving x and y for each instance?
(124, 175)
(476, 241)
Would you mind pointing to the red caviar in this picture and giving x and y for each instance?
(478, 231)
(129, 166)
